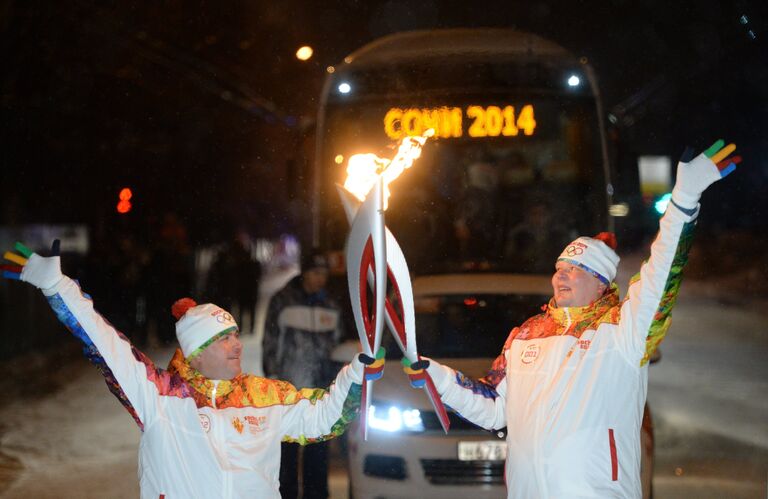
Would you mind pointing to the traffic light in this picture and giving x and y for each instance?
(660, 205)
(124, 205)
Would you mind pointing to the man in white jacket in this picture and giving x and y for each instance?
(570, 383)
(208, 430)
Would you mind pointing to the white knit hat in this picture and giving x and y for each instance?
(198, 325)
(596, 255)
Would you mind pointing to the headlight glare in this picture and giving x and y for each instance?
(393, 419)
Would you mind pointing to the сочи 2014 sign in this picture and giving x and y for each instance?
(484, 121)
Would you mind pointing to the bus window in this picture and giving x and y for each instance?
(515, 172)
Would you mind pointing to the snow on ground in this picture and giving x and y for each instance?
(78, 442)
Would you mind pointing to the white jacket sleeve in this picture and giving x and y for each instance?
(646, 311)
(475, 401)
(318, 415)
(130, 375)
(645, 315)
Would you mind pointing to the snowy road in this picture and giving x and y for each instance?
(709, 400)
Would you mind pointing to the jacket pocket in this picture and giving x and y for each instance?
(614, 455)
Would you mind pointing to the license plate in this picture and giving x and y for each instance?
(483, 451)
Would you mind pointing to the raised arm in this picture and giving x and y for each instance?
(130, 375)
(646, 312)
(314, 415)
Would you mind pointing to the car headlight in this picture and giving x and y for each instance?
(394, 419)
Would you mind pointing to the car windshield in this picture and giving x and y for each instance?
(467, 326)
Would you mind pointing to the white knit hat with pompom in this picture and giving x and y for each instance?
(596, 255)
(198, 325)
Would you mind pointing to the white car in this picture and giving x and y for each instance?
(461, 320)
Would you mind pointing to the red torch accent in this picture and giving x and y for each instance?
(369, 319)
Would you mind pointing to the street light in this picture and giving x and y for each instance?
(304, 53)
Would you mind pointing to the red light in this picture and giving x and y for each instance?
(470, 302)
(124, 206)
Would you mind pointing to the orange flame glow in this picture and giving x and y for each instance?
(362, 169)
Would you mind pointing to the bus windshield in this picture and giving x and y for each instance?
(493, 197)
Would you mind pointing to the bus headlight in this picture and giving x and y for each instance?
(574, 81)
(393, 419)
(345, 88)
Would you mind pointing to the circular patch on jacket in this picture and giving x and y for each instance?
(529, 354)
(205, 422)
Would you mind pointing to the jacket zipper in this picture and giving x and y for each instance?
(213, 393)
(614, 456)
(226, 485)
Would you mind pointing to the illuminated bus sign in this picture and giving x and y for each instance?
(448, 122)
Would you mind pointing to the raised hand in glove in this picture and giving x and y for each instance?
(374, 368)
(416, 371)
(694, 176)
(42, 272)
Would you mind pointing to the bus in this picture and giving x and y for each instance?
(518, 166)
(516, 169)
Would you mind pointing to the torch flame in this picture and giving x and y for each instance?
(362, 169)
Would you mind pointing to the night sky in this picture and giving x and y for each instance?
(203, 110)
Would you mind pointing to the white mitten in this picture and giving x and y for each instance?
(41, 272)
(695, 176)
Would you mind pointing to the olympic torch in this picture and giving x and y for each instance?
(374, 257)
(367, 252)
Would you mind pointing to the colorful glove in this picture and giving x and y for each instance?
(416, 371)
(693, 177)
(374, 368)
(41, 272)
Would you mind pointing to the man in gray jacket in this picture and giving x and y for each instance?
(303, 325)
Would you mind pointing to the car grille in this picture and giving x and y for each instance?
(431, 422)
(455, 472)
(391, 467)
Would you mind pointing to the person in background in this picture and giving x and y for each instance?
(536, 240)
(570, 383)
(169, 274)
(234, 280)
(303, 325)
(207, 429)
